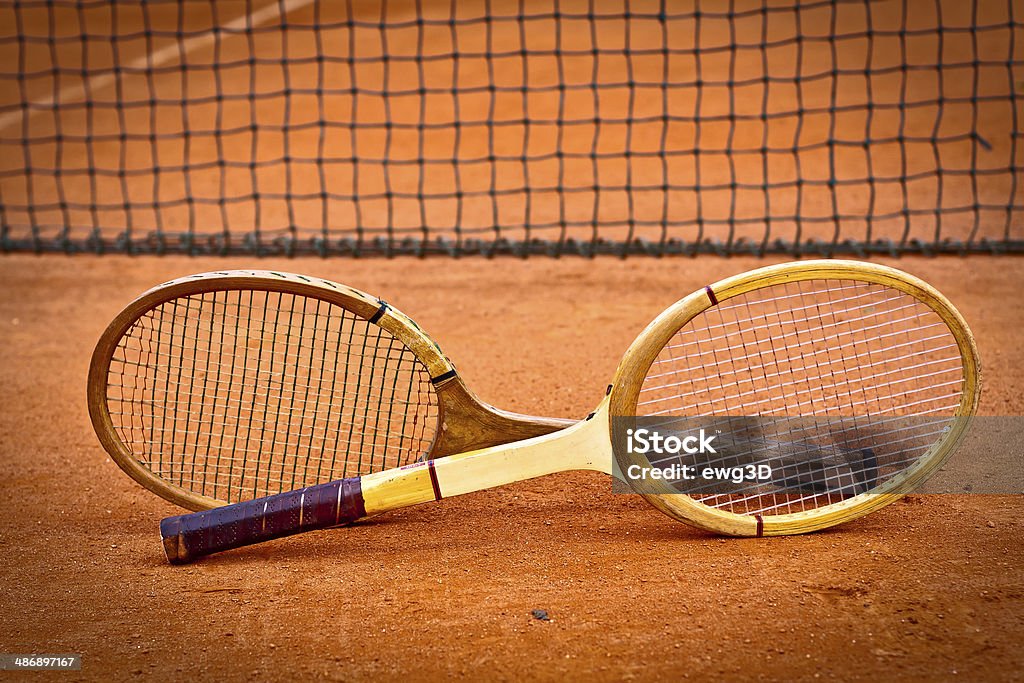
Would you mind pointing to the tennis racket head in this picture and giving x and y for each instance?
(812, 349)
(222, 387)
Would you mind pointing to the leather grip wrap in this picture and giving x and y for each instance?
(188, 537)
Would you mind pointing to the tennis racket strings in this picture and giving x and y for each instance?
(239, 394)
(852, 383)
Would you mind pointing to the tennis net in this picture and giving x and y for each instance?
(554, 127)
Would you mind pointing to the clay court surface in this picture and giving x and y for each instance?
(928, 588)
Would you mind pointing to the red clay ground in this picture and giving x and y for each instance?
(928, 588)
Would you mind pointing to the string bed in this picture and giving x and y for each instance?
(838, 385)
(241, 394)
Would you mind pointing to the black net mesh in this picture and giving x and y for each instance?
(525, 127)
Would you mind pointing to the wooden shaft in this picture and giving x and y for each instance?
(467, 423)
(585, 445)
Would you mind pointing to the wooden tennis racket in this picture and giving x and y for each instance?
(223, 387)
(808, 339)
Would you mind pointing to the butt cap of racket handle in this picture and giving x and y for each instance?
(189, 537)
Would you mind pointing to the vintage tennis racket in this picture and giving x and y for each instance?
(223, 387)
(816, 341)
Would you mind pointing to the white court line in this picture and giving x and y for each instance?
(76, 93)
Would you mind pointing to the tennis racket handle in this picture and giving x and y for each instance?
(188, 537)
